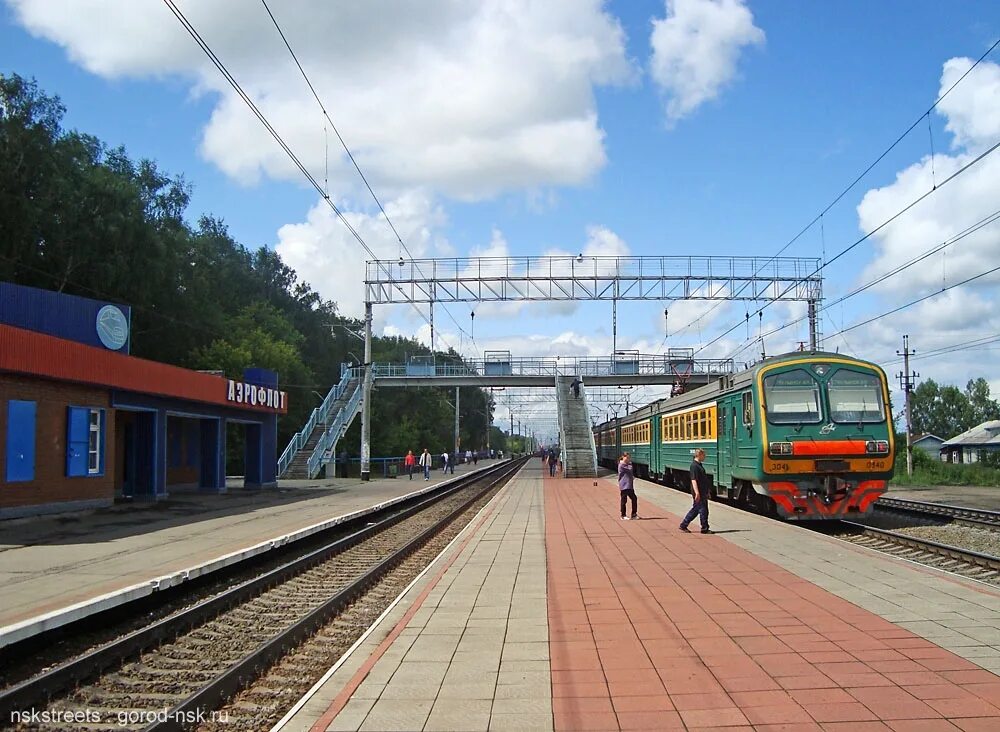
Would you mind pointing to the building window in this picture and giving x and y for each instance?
(85, 432)
(94, 443)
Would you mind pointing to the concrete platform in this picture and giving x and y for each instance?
(57, 569)
(552, 613)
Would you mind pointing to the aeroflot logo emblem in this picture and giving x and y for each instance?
(256, 396)
(827, 428)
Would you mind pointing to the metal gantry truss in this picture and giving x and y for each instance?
(564, 278)
(507, 279)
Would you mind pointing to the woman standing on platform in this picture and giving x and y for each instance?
(626, 478)
(409, 462)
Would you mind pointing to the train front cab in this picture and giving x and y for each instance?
(818, 435)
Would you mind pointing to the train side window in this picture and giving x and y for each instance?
(747, 408)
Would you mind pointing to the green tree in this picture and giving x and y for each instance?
(981, 407)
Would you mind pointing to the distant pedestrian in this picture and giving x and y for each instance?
(553, 461)
(575, 386)
(468, 456)
(426, 459)
(626, 479)
(475, 458)
(409, 462)
(444, 461)
(701, 487)
(345, 461)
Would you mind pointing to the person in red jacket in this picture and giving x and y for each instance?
(409, 462)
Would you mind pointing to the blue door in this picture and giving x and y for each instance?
(20, 441)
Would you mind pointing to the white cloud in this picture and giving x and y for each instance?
(696, 48)
(466, 98)
(328, 257)
(972, 114)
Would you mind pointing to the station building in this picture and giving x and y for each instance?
(82, 422)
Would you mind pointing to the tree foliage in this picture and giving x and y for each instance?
(947, 411)
(81, 218)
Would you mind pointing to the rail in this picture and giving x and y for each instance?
(975, 516)
(986, 561)
(38, 690)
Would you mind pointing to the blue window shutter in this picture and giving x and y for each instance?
(20, 441)
(104, 441)
(77, 440)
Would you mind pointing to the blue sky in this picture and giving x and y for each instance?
(522, 129)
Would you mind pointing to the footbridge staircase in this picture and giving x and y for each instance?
(579, 453)
(315, 445)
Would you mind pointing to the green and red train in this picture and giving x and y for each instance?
(805, 435)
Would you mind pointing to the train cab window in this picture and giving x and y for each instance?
(855, 397)
(791, 397)
(748, 408)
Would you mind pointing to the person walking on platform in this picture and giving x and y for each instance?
(626, 479)
(345, 461)
(425, 462)
(444, 462)
(553, 461)
(409, 462)
(700, 489)
(575, 386)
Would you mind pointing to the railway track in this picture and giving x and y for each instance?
(975, 565)
(976, 517)
(174, 673)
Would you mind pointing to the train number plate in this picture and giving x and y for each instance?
(832, 466)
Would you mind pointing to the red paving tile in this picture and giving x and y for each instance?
(654, 629)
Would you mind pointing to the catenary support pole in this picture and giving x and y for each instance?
(812, 326)
(366, 398)
(457, 442)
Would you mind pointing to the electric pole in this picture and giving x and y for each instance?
(457, 441)
(906, 381)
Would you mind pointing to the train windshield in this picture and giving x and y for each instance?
(791, 397)
(855, 397)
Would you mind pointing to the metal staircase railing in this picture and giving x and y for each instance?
(573, 417)
(319, 416)
(327, 444)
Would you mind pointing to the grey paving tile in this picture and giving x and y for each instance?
(352, 716)
(394, 716)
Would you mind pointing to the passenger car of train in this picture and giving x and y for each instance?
(804, 435)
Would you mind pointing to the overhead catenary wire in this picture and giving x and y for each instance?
(350, 155)
(968, 231)
(860, 177)
(866, 237)
(974, 344)
(218, 63)
(916, 301)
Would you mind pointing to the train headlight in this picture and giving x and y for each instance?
(877, 447)
(780, 448)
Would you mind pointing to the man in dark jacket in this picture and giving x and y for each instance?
(700, 489)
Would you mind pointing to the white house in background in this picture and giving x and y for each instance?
(969, 446)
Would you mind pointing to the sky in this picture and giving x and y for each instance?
(619, 128)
